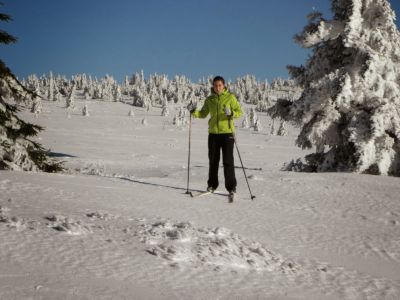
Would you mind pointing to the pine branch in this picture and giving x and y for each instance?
(6, 38)
(28, 129)
(5, 17)
(6, 74)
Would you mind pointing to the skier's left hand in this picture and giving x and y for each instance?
(191, 107)
(227, 111)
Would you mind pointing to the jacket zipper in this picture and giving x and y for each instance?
(218, 115)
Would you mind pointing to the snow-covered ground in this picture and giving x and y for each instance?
(120, 226)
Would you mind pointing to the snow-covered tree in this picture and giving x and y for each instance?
(282, 129)
(86, 93)
(257, 125)
(158, 90)
(131, 113)
(272, 131)
(165, 110)
(148, 106)
(70, 103)
(58, 97)
(117, 93)
(176, 121)
(245, 122)
(36, 105)
(253, 117)
(85, 111)
(50, 94)
(17, 150)
(350, 107)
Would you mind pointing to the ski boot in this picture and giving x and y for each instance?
(231, 196)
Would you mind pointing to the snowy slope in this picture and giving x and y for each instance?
(119, 225)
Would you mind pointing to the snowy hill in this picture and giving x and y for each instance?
(118, 225)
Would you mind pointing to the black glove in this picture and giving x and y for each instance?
(192, 107)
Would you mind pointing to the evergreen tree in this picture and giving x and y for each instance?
(350, 106)
(70, 101)
(253, 117)
(245, 122)
(282, 129)
(17, 151)
(257, 125)
(165, 110)
(36, 106)
(272, 131)
(85, 111)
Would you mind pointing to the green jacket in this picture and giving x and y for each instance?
(214, 105)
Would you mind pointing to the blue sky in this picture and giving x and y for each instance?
(195, 38)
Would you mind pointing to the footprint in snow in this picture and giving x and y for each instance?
(67, 225)
(181, 243)
(100, 216)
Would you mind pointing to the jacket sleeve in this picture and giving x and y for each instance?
(235, 108)
(203, 112)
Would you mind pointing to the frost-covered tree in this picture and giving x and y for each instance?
(87, 93)
(282, 129)
(350, 106)
(17, 150)
(176, 121)
(272, 131)
(158, 90)
(245, 122)
(257, 125)
(253, 117)
(58, 97)
(70, 102)
(85, 111)
(148, 105)
(117, 93)
(50, 93)
(165, 110)
(36, 105)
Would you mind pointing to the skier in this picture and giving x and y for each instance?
(223, 107)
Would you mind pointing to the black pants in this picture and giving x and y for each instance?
(226, 142)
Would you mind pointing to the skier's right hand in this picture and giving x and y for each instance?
(192, 107)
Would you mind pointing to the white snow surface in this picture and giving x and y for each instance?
(119, 225)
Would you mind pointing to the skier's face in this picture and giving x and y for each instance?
(218, 87)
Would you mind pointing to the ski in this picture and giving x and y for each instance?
(195, 194)
(236, 167)
(199, 194)
(251, 169)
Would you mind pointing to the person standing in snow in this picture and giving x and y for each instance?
(223, 107)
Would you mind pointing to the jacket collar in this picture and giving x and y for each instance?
(225, 91)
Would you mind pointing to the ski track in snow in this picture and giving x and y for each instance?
(119, 224)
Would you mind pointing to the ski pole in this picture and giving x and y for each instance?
(243, 168)
(190, 134)
(229, 119)
(240, 158)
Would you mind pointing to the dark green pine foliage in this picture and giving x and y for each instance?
(17, 150)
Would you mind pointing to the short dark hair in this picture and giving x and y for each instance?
(219, 78)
